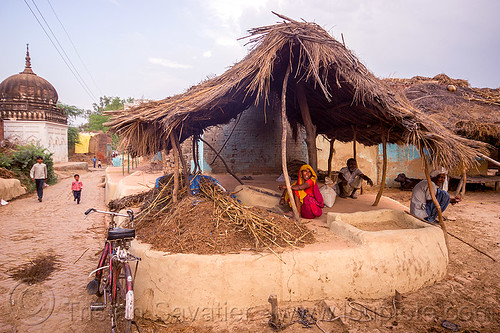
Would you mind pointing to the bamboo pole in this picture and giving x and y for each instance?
(434, 200)
(183, 162)
(384, 170)
(312, 151)
(176, 168)
(128, 161)
(330, 158)
(283, 145)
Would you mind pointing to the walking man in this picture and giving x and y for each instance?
(94, 160)
(38, 173)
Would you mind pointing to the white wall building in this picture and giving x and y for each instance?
(29, 114)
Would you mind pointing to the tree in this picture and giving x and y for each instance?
(106, 103)
(71, 111)
(110, 103)
(72, 138)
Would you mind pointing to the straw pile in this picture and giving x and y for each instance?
(36, 270)
(470, 112)
(212, 222)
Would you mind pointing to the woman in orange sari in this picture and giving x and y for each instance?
(306, 193)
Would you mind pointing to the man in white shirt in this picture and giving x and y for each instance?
(350, 180)
(421, 204)
(38, 173)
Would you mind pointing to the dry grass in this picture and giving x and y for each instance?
(36, 270)
(470, 112)
(213, 222)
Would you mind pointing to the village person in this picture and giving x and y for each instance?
(38, 174)
(94, 160)
(421, 204)
(76, 187)
(306, 194)
(99, 164)
(350, 180)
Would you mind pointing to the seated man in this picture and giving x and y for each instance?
(422, 205)
(350, 180)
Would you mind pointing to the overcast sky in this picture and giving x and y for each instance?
(156, 48)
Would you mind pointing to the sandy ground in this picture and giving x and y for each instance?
(29, 228)
(469, 296)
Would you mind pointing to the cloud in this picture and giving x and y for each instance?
(168, 63)
(207, 54)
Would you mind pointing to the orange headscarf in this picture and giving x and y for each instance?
(302, 193)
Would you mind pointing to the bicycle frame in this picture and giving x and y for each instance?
(115, 259)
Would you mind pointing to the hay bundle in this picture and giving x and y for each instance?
(213, 222)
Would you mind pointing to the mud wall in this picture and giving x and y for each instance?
(168, 284)
(255, 145)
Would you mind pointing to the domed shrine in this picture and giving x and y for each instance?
(29, 114)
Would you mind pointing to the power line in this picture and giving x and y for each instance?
(62, 49)
(60, 54)
(76, 51)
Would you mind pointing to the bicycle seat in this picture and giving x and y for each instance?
(115, 234)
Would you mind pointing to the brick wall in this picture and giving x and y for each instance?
(255, 145)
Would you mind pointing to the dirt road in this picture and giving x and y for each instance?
(57, 227)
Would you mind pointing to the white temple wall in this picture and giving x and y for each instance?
(52, 136)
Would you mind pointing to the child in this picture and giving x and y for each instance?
(99, 164)
(77, 186)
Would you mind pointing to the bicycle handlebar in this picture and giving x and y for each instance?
(130, 213)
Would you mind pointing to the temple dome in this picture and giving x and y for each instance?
(27, 86)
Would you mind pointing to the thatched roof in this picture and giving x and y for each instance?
(342, 95)
(471, 112)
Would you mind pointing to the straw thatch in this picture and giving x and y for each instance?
(343, 97)
(471, 112)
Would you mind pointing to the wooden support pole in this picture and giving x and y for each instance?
(183, 162)
(434, 200)
(354, 142)
(283, 145)
(384, 169)
(459, 187)
(330, 157)
(464, 176)
(224, 162)
(489, 159)
(176, 168)
(312, 151)
(195, 154)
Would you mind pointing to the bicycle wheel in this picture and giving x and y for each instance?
(122, 299)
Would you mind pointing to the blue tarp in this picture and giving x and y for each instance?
(194, 182)
(117, 161)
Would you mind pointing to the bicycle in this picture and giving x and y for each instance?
(113, 276)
